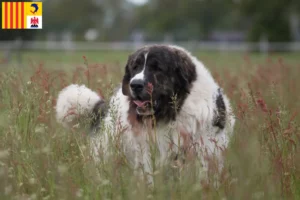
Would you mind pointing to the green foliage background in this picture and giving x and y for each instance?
(116, 20)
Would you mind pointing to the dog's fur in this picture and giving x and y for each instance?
(175, 104)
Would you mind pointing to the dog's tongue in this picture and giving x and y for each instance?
(141, 103)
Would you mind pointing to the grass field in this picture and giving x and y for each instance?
(41, 160)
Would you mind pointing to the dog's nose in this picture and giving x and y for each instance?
(137, 85)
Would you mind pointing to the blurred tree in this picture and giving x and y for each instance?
(119, 20)
(196, 19)
(161, 19)
(70, 15)
(187, 19)
(269, 18)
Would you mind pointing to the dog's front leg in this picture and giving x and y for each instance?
(143, 163)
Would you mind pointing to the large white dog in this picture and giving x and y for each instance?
(168, 100)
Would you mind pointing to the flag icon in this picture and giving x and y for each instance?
(22, 15)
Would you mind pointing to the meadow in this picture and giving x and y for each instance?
(39, 159)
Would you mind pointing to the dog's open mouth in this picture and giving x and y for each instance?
(144, 107)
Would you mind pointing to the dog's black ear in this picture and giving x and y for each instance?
(186, 69)
(126, 78)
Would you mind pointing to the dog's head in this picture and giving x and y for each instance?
(155, 77)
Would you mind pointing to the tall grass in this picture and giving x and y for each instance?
(41, 160)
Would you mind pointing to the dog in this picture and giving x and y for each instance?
(167, 99)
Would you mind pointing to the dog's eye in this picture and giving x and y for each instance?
(156, 67)
(135, 67)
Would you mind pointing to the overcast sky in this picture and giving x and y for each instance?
(138, 1)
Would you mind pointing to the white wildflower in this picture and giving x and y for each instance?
(105, 182)
(46, 149)
(62, 169)
(79, 193)
(32, 181)
(8, 190)
(46, 197)
(33, 197)
(4, 154)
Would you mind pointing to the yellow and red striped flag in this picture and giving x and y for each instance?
(22, 15)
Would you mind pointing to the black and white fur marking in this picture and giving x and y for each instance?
(183, 98)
